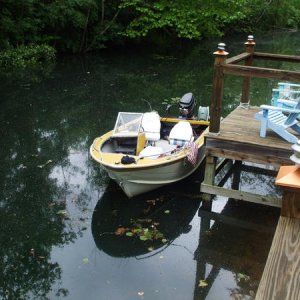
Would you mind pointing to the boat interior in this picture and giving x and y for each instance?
(148, 135)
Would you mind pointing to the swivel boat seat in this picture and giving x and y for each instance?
(151, 126)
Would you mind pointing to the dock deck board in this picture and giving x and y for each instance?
(239, 139)
(281, 276)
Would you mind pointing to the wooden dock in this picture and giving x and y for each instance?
(236, 139)
(281, 276)
(237, 136)
(239, 139)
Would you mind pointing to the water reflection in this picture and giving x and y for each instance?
(118, 223)
(233, 244)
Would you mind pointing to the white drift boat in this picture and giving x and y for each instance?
(145, 151)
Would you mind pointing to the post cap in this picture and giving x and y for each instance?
(250, 40)
(221, 46)
(221, 49)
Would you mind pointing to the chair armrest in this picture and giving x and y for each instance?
(283, 109)
(289, 84)
(288, 102)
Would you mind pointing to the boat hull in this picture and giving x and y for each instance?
(138, 181)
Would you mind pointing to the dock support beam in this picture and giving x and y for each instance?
(248, 62)
(209, 189)
(218, 86)
(209, 175)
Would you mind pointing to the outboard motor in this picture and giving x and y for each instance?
(186, 106)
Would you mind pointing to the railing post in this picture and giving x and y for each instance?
(217, 92)
(248, 62)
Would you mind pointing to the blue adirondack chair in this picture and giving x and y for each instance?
(287, 85)
(284, 98)
(279, 119)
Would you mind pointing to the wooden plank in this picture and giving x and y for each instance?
(281, 57)
(258, 154)
(250, 71)
(240, 195)
(209, 174)
(237, 58)
(291, 203)
(281, 276)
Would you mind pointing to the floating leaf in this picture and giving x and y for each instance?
(45, 164)
(236, 296)
(202, 283)
(167, 211)
(153, 202)
(143, 238)
(241, 276)
(85, 260)
(129, 233)
(164, 240)
(120, 231)
(62, 212)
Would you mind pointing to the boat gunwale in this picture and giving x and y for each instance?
(170, 159)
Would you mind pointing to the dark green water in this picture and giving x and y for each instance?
(59, 210)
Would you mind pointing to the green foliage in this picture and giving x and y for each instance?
(182, 18)
(269, 15)
(82, 25)
(69, 25)
(25, 56)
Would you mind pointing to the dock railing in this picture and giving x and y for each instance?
(224, 65)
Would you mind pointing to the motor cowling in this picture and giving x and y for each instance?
(186, 106)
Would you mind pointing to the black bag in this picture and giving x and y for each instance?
(126, 160)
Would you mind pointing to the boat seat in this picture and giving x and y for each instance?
(166, 147)
(151, 126)
(151, 152)
(181, 134)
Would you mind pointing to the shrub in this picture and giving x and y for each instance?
(26, 56)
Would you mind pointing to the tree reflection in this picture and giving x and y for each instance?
(30, 225)
(33, 144)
